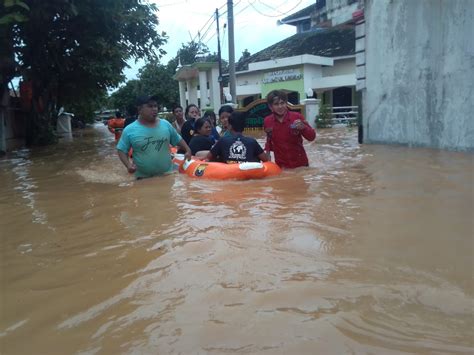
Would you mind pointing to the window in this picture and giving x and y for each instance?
(304, 26)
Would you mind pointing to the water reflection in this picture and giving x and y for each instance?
(369, 250)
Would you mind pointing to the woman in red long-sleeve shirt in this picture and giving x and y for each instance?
(285, 131)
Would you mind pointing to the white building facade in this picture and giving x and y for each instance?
(293, 65)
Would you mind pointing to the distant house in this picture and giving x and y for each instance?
(302, 18)
(321, 61)
(315, 62)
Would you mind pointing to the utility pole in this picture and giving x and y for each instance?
(230, 21)
(219, 57)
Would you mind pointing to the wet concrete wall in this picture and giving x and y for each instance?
(419, 73)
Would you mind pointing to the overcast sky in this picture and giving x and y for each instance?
(255, 24)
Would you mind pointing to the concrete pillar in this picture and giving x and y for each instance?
(203, 89)
(311, 110)
(182, 93)
(192, 92)
(214, 87)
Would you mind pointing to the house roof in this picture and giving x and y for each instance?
(302, 14)
(331, 42)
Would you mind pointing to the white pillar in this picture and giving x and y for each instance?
(214, 89)
(182, 93)
(192, 92)
(203, 89)
(311, 108)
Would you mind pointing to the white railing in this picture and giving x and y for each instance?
(344, 114)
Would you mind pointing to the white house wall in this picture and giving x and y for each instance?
(249, 78)
(340, 67)
(339, 12)
(332, 82)
(290, 62)
(311, 74)
(249, 83)
(419, 73)
(248, 90)
(314, 76)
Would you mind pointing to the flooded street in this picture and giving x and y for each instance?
(370, 250)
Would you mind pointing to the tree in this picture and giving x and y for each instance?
(158, 79)
(245, 55)
(13, 12)
(73, 51)
(153, 79)
(187, 54)
(124, 98)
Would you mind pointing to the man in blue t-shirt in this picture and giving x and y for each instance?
(237, 148)
(150, 138)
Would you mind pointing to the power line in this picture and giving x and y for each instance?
(225, 12)
(210, 18)
(278, 15)
(203, 36)
(245, 8)
(272, 8)
(220, 15)
(199, 31)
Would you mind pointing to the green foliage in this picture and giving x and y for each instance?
(13, 12)
(157, 79)
(84, 109)
(154, 79)
(13, 17)
(124, 98)
(73, 52)
(187, 54)
(245, 55)
(324, 118)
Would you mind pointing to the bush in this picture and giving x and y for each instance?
(324, 118)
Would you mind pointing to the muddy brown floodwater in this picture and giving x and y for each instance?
(370, 250)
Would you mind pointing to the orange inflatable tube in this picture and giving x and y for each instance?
(221, 171)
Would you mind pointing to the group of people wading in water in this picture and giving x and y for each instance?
(150, 137)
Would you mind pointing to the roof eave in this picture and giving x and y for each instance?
(290, 22)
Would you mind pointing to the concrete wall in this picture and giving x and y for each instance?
(341, 67)
(335, 13)
(12, 126)
(419, 73)
(249, 78)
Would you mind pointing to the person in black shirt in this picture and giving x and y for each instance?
(201, 141)
(237, 148)
(211, 116)
(132, 115)
(192, 113)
